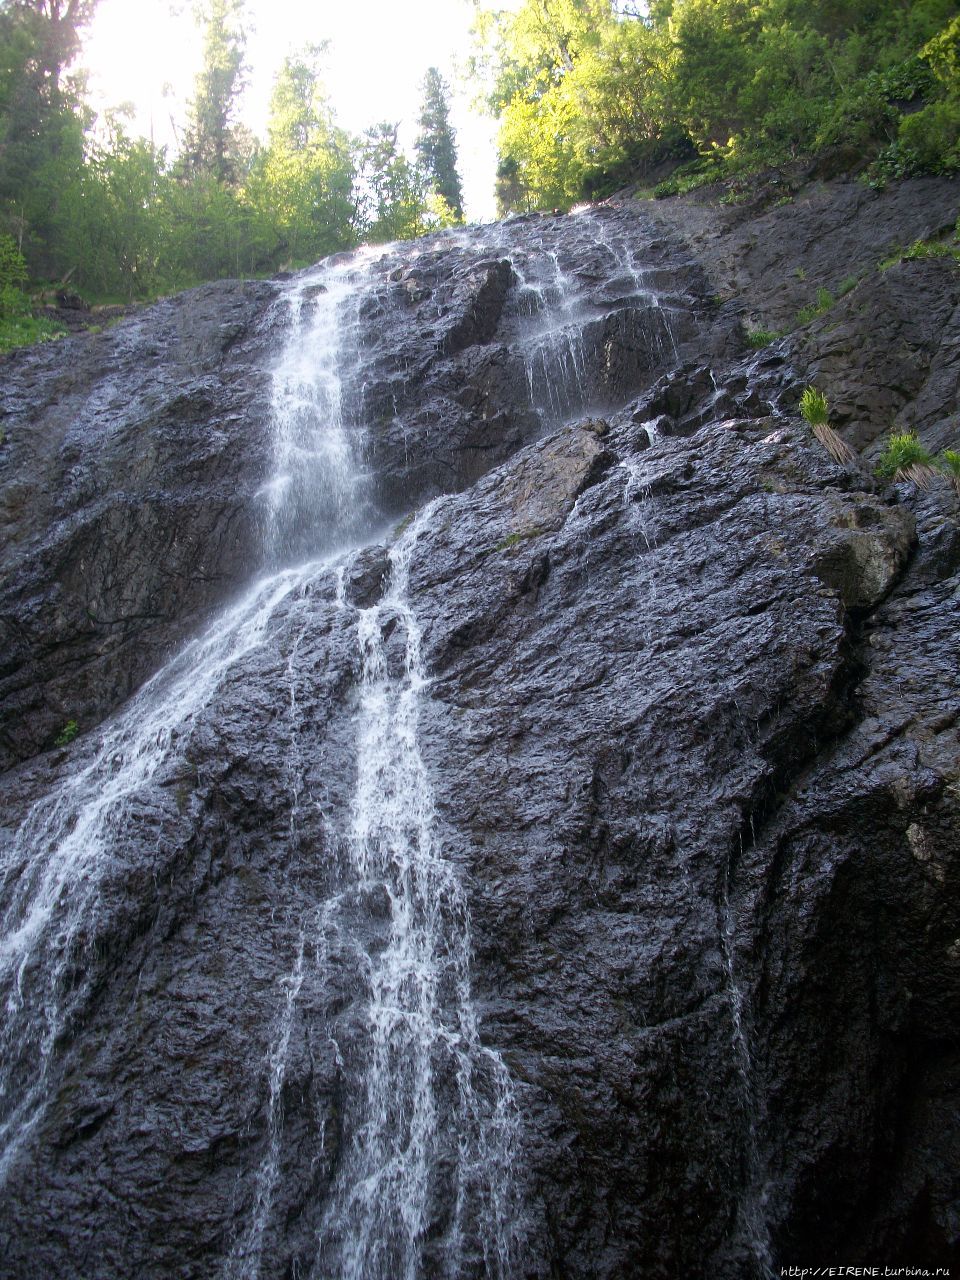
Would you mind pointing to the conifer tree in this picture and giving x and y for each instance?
(212, 143)
(436, 143)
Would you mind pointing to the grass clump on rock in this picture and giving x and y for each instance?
(949, 462)
(815, 411)
(758, 338)
(905, 458)
(824, 302)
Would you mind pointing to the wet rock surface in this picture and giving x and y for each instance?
(692, 726)
(133, 462)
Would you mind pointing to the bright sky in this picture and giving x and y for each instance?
(379, 52)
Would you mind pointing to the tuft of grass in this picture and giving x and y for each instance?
(905, 458)
(834, 444)
(847, 285)
(949, 464)
(930, 249)
(815, 411)
(758, 338)
(66, 734)
(814, 408)
(514, 539)
(918, 250)
(823, 303)
(24, 329)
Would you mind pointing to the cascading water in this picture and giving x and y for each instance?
(660, 331)
(572, 321)
(318, 486)
(426, 1076)
(426, 1180)
(71, 845)
(553, 350)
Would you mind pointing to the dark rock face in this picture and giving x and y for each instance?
(130, 460)
(692, 729)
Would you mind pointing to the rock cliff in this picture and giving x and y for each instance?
(630, 764)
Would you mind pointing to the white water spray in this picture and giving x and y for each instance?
(434, 1126)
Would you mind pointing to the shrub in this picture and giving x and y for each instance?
(930, 139)
(13, 266)
(18, 325)
(905, 458)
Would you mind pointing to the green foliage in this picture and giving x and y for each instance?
(67, 734)
(690, 176)
(824, 301)
(758, 338)
(394, 199)
(949, 464)
(213, 144)
(930, 249)
(23, 329)
(19, 327)
(814, 408)
(919, 250)
(13, 274)
(301, 188)
(902, 455)
(585, 89)
(120, 219)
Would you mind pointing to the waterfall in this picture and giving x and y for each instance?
(431, 1128)
(571, 324)
(435, 1123)
(553, 349)
(56, 868)
(318, 486)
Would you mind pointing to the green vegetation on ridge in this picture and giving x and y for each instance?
(593, 93)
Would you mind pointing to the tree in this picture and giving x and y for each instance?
(394, 197)
(436, 143)
(55, 28)
(42, 119)
(303, 184)
(213, 144)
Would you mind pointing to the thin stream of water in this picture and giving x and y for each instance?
(426, 1077)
